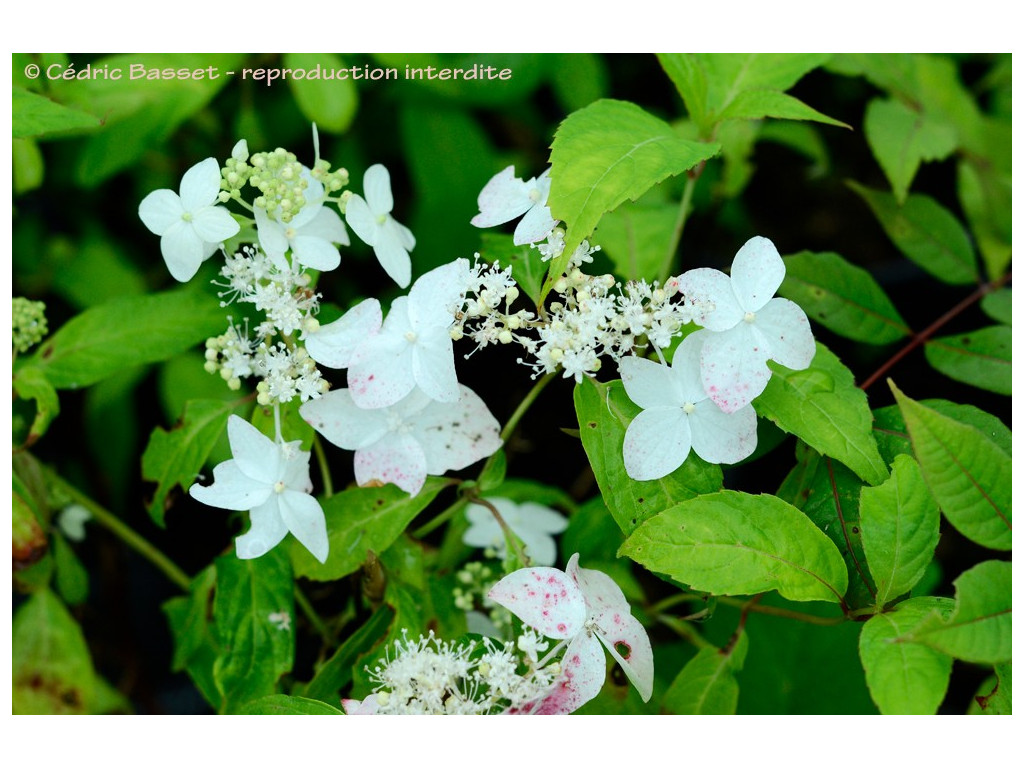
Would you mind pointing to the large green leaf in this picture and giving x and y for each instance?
(985, 195)
(969, 475)
(195, 647)
(926, 233)
(52, 669)
(175, 458)
(731, 543)
(900, 529)
(823, 407)
(361, 520)
(253, 607)
(605, 154)
(979, 629)
(331, 104)
(758, 104)
(132, 331)
(707, 684)
(604, 411)
(829, 494)
(842, 297)
(33, 115)
(904, 678)
(982, 358)
(280, 704)
(901, 138)
(893, 438)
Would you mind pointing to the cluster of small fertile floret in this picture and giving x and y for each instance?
(29, 323)
(429, 676)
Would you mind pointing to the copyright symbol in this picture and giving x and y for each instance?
(32, 71)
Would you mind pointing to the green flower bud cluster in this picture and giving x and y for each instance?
(234, 175)
(29, 323)
(475, 581)
(278, 177)
(333, 181)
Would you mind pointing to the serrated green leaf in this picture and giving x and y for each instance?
(758, 104)
(605, 154)
(967, 473)
(176, 457)
(34, 116)
(52, 669)
(901, 138)
(979, 629)
(829, 494)
(842, 297)
(899, 529)
(926, 233)
(253, 607)
(707, 684)
(132, 331)
(280, 704)
(604, 411)
(999, 306)
(982, 358)
(331, 104)
(731, 543)
(823, 407)
(634, 237)
(904, 678)
(362, 519)
(30, 383)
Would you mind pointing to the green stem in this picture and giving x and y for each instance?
(114, 524)
(325, 471)
(684, 630)
(314, 618)
(442, 518)
(677, 231)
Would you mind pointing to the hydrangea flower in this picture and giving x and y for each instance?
(310, 235)
(335, 343)
(533, 523)
(371, 220)
(414, 346)
(505, 197)
(271, 481)
(190, 224)
(586, 609)
(677, 415)
(744, 326)
(404, 443)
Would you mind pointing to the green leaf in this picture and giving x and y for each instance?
(175, 458)
(604, 411)
(731, 543)
(998, 700)
(829, 494)
(899, 528)
(70, 577)
(985, 195)
(195, 647)
(280, 704)
(30, 383)
(904, 678)
(967, 473)
(999, 306)
(926, 233)
(255, 620)
(981, 358)
(758, 104)
(634, 237)
(979, 629)
(361, 520)
(28, 166)
(893, 438)
(35, 116)
(331, 104)
(823, 407)
(92, 270)
(605, 154)
(53, 672)
(901, 138)
(335, 673)
(28, 539)
(842, 297)
(707, 684)
(132, 331)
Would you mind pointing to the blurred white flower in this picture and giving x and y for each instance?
(533, 523)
